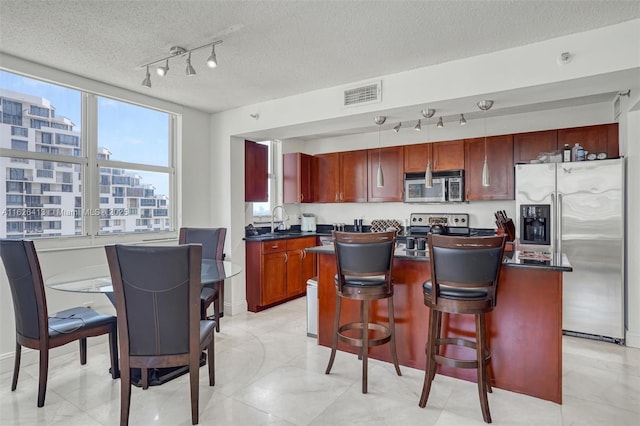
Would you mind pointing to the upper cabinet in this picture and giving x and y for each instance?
(447, 155)
(256, 172)
(527, 146)
(601, 138)
(296, 171)
(391, 160)
(340, 177)
(500, 159)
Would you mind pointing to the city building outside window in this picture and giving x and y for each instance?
(48, 161)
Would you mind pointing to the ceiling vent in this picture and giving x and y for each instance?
(362, 95)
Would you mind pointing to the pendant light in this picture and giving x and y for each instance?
(379, 119)
(486, 177)
(428, 175)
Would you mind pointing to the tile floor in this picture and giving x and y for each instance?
(269, 373)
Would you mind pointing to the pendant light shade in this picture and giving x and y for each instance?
(190, 70)
(380, 176)
(440, 124)
(486, 177)
(418, 126)
(147, 80)
(162, 71)
(428, 175)
(379, 120)
(212, 62)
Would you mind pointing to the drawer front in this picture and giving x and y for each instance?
(274, 246)
(301, 243)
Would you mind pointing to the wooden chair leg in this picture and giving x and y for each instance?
(144, 375)
(365, 345)
(125, 395)
(194, 365)
(430, 368)
(83, 350)
(211, 361)
(16, 366)
(113, 352)
(203, 310)
(481, 368)
(42, 377)
(392, 330)
(216, 312)
(334, 343)
(436, 341)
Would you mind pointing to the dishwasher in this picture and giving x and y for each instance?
(312, 296)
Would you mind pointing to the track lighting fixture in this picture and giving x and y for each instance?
(147, 80)
(212, 62)
(396, 128)
(463, 121)
(379, 120)
(418, 126)
(176, 51)
(190, 70)
(440, 124)
(428, 175)
(162, 71)
(486, 177)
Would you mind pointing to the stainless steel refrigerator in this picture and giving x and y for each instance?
(587, 201)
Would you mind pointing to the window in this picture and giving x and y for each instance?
(262, 211)
(19, 145)
(133, 145)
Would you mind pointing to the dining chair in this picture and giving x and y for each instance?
(156, 292)
(212, 240)
(464, 280)
(35, 329)
(364, 262)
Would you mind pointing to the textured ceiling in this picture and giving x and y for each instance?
(273, 49)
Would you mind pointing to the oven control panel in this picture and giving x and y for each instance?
(451, 220)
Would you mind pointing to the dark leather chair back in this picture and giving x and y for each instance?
(153, 289)
(25, 280)
(465, 264)
(212, 240)
(364, 258)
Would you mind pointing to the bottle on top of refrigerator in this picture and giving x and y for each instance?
(566, 153)
(574, 152)
(580, 154)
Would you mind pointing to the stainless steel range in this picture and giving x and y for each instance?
(420, 224)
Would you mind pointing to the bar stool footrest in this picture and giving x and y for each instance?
(358, 342)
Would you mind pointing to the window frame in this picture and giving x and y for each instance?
(90, 165)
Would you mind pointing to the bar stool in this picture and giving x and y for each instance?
(464, 280)
(364, 262)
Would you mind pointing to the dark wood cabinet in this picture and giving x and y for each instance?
(447, 155)
(277, 271)
(296, 171)
(500, 160)
(256, 172)
(340, 177)
(392, 162)
(600, 138)
(527, 146)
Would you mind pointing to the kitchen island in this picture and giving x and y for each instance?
(524, 330)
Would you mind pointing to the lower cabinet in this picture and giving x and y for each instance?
(277, 271)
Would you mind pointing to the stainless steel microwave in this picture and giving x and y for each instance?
(447, 187)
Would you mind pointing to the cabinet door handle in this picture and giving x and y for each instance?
(301, 197)
(286, 258)
(303, 254)
(275, 246)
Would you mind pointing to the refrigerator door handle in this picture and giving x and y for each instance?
(559, 230)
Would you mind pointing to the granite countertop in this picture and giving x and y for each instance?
(511, 258)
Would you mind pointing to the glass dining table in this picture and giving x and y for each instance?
(97, 279)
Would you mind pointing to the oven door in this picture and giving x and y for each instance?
(416, 192)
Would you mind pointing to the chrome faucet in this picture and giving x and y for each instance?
(273, 215)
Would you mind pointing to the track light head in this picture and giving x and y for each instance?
(147, 80)
(212, 62)
(440, 124)
(396, 128)
(190, 69)
(418, 126)
(380, 119)
(463, 121)
(162, 71)
(485, 105)
(428, 113)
